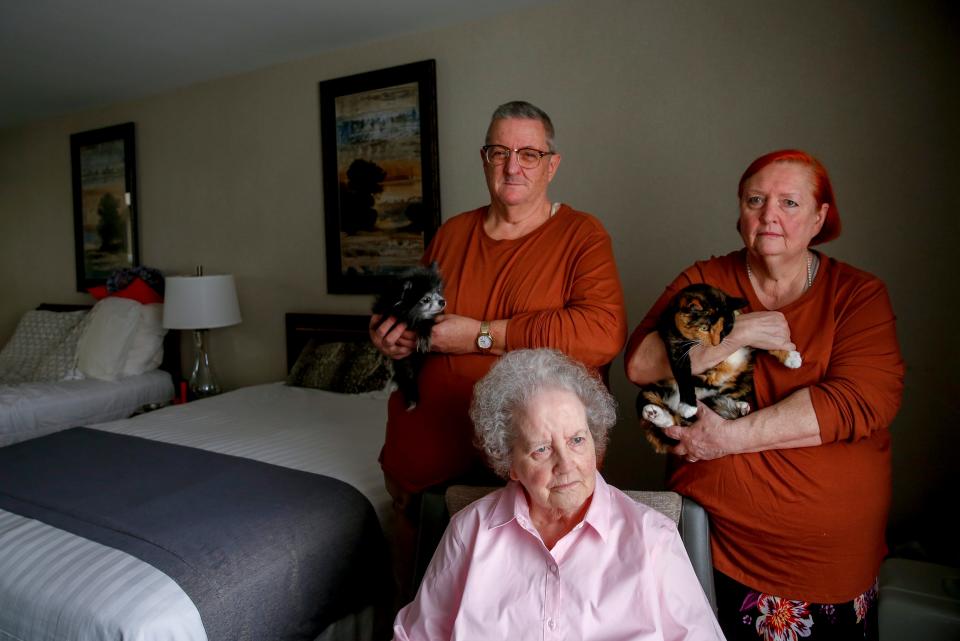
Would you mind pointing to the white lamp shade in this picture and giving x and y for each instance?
(200, 302)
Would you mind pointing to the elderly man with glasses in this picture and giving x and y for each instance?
(521, 272)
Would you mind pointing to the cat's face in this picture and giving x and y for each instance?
(705, 314)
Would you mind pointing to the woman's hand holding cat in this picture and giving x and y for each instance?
(790, 423)
(762, 330)
(703, 440)
(393, 339)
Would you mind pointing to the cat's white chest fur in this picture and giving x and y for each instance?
(739, 357)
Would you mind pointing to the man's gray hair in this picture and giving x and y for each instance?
(501, 397)
(524, 110)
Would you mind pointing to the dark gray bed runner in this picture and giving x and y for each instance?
(263, 551)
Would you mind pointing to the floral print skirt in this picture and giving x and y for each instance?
(746, 614)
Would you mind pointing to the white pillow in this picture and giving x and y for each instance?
(146, 346)
(104, 345)
(38, 333)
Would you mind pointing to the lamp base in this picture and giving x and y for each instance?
(203, 381)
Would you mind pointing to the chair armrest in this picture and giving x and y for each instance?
(694, 529)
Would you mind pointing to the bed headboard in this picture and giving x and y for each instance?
(327, 328)
(171, 342)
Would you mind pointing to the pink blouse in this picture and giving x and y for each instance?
(622, 573)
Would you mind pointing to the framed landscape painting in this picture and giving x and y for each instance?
(381, 189)
(103, 163)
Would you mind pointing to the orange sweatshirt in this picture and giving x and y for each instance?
(806, 523)
(559, 288)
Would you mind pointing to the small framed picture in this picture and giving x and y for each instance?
(103, 163)
(381, 187)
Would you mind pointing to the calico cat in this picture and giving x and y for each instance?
(414, 297)
(699, 314)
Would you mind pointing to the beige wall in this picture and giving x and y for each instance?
(658, 105)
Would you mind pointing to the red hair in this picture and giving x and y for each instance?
(822, 189)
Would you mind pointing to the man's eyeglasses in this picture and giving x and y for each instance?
(527, 157)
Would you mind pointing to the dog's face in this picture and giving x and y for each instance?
(415, 296)
(422, 297)
(429, 305)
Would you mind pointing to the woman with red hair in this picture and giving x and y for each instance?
(798, 490)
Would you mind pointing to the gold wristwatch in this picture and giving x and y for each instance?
(484, 340)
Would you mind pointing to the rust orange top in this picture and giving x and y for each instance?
(559, 288)
(806, 523)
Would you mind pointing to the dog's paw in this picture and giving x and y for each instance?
(687, 411)
(657, 416)
(743, 408)
(793, 360)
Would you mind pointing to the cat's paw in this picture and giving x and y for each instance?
(793, 360)
(687, 411)
(657, 416)
(743, 408)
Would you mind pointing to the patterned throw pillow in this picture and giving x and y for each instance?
(347, 368)
(61, 363)
(38, 334)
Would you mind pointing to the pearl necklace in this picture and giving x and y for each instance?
(809, 271)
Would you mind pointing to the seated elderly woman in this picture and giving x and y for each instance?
(557, 553)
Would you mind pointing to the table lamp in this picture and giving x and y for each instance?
(201, 303)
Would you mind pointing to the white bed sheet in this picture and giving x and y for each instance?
(334, 434)
(29, 410)
(339, 435)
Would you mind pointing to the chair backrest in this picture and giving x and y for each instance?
(691, 519)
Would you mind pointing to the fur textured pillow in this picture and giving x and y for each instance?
(346, 368)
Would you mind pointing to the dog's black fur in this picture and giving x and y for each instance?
(414, 297)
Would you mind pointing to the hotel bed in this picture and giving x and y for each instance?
(28, 410)
(37, 407)
(276, 486)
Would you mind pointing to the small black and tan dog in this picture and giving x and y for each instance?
(414, 297)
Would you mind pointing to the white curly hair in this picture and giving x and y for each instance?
(500, 397)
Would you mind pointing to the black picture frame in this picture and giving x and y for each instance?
(104, 169)
(381, 183)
